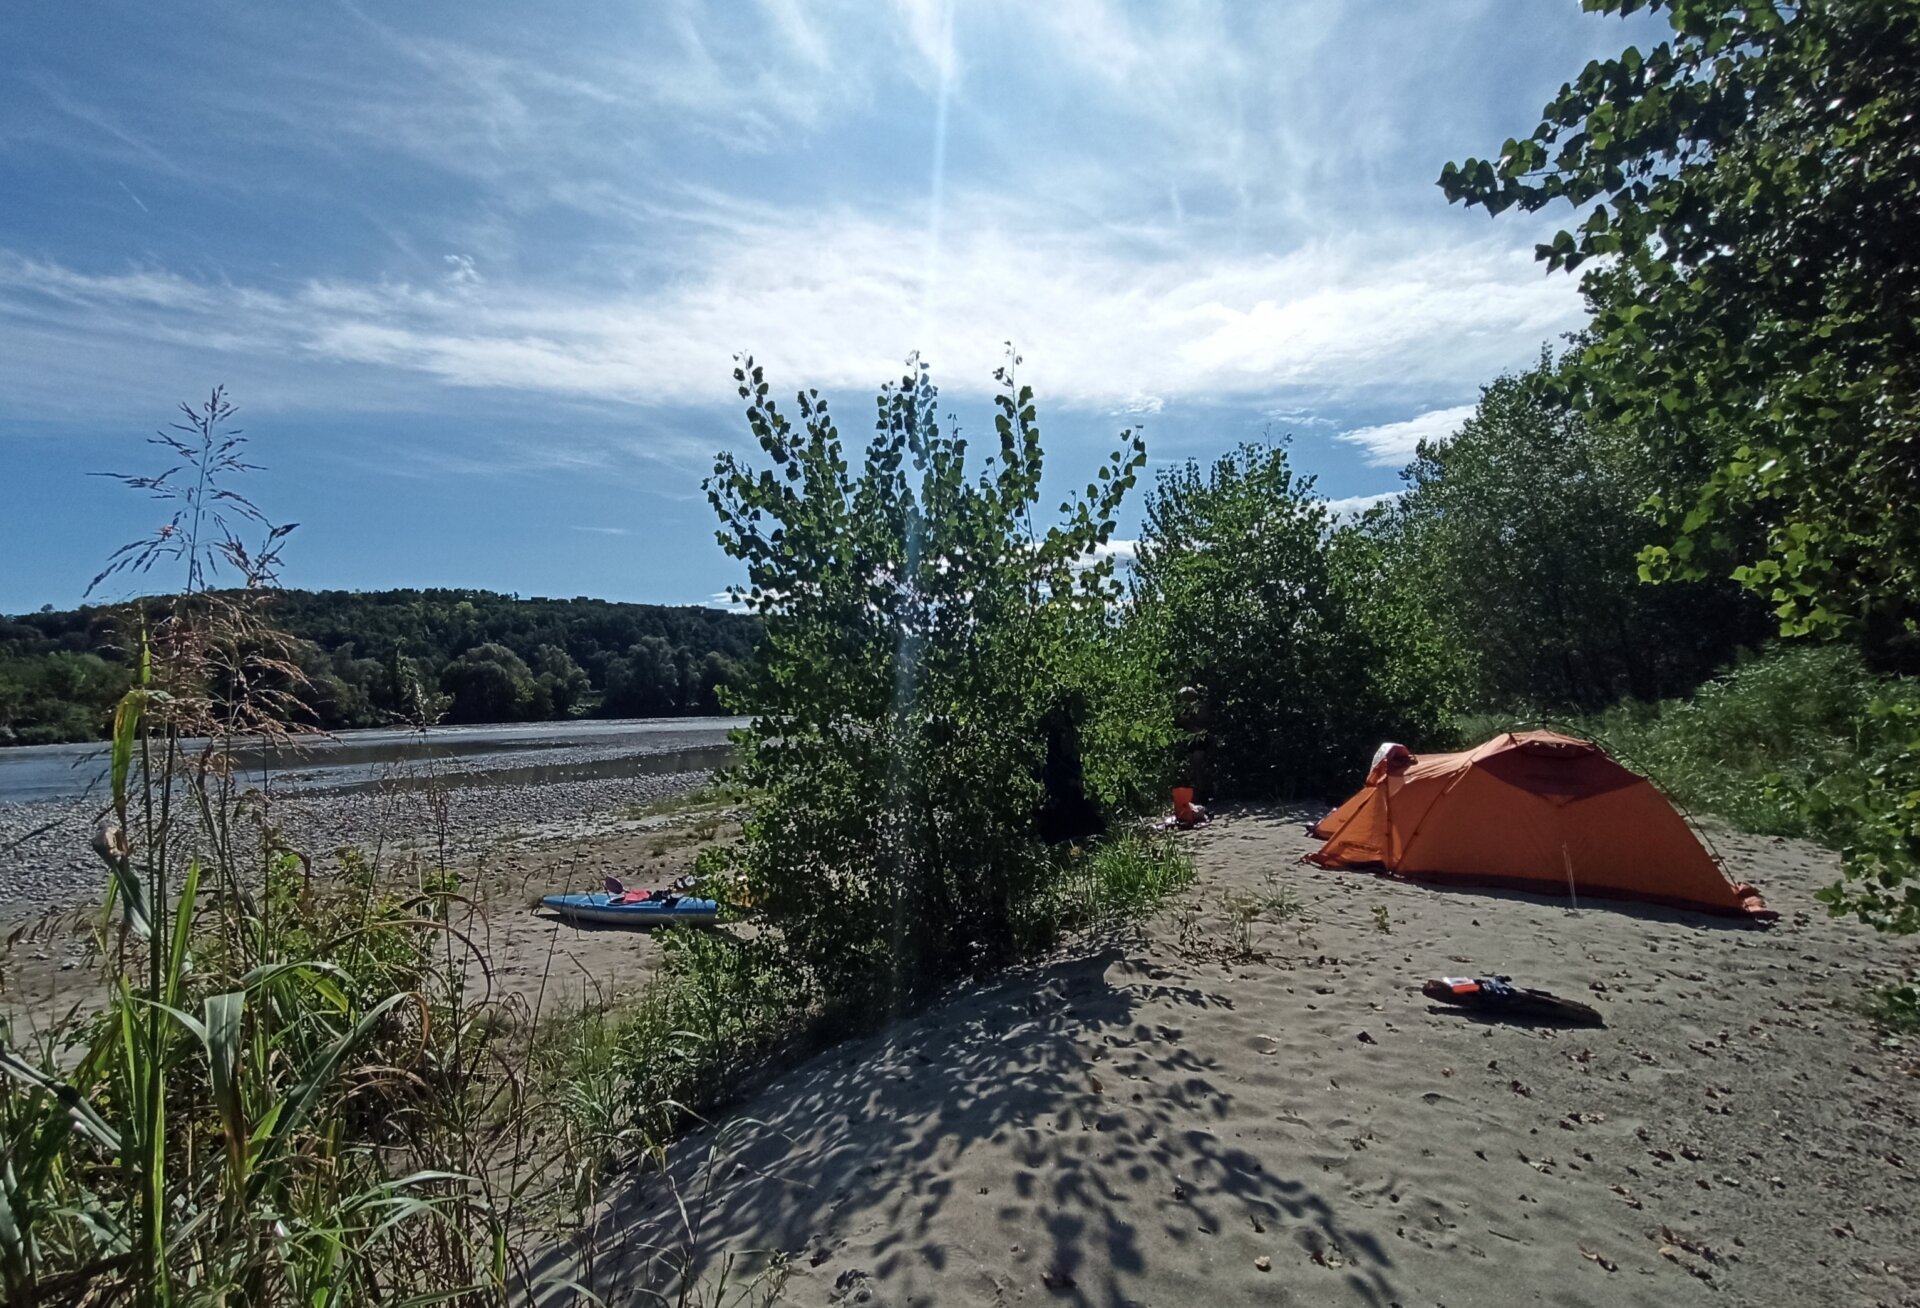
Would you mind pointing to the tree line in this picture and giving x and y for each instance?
(379, 657)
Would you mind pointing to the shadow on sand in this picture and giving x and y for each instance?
(1071, 1132)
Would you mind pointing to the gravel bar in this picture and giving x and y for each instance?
(47, 864)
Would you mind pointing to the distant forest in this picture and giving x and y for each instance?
(374, 658)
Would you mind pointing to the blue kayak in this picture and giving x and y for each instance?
(604, 909)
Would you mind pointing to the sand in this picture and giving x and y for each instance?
(1155, 1120)
(545, 966)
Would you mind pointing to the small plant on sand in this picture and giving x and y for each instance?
(1896, 1006)
(1243, 912)
(1381, 922)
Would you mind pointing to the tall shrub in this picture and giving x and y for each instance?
(1521, 535)
(916, 627)
(1254, 605)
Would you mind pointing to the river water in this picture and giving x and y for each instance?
(532, 753)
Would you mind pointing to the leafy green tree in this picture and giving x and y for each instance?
(563, 683)
(488, 683)
(715, 672)
(1521, 534)
(1751, 188)
(1131, 746)
(645, 683)
(1420, 668)
(913, 650)
(1250, 608)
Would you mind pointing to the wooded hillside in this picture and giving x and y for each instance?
(475, 656)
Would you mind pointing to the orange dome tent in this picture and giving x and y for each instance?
(1533, 811)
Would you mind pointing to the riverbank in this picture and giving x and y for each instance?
(47, 864)
(463, 787)
(508, 844)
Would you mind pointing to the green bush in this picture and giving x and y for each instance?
(1896, 1006)
(1130, 746)
(1802, 741)
(1253, 603)
(913, 685)
(1752, 745)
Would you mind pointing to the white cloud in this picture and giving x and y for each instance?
(1392, 444)
(460, 270)
(835, 300)
(605, 531)
(1352, 506)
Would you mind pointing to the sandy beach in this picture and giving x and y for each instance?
(1167, 1119)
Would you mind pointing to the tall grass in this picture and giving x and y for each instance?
(1123, 875)
(289, 1096)
(627, 1077)
(1757, 745)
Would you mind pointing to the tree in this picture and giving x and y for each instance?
(562, 681)
(715, 672)
(1238, 592)
(60, 696)
(1756, 319)
(488, 683)
(645, 683)
(1520, 535)
(1751, 189)
(912, 650)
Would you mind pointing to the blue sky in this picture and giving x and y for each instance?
(475, 272)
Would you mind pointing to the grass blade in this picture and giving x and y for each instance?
(293, 1111)
(82, 1113)
(182, 932)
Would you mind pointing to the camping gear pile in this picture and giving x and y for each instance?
(1186, 814)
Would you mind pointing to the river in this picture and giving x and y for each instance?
(531, 753)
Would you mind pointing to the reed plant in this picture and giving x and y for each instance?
(291, 1093)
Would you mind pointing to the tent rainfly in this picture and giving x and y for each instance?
(1534, 811)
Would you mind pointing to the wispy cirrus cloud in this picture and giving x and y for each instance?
(836, 300)
(496, 250)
